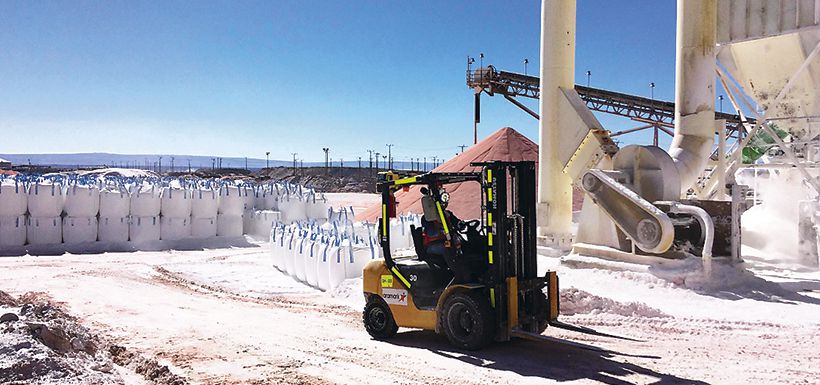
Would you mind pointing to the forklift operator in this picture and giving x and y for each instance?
(434, 238)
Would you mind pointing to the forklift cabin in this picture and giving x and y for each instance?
(484, 285)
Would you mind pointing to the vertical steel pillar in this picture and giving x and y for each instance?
(557, 71)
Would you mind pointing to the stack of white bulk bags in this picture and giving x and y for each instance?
(175, 208)
(13, 206)
(146, 205)
(290, 253)
(229, 211)
(204, 208)
(335, 264)
(45, 205)
(276, 246)
(115, 206)
(82, 204)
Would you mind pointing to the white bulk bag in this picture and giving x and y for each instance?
(275, 236)
(247, 197)
(263, 221)
(115, 202)
(230, 201)
(322, 278)
(82, 201)
(317, 207)
(262, 199)
(310, 262)
(203, 228)
(13, 198)
(299, 258)
(279, 247)
(293, 208)
(204, 203)
(172, 228)
(362, 254)
(12, 230)
(45, 199)
(248, 222)
(145, 200)
(336, 263)
(176, 202)
(400, 237)
(290, 254)
(79, 229)
(42, 231)
(145, 229)
(112, 229)
(228, 225)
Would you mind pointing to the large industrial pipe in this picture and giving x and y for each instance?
(557, 71)
(694, 88)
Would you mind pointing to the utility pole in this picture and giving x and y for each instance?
(360, 162)
(462, 147)
(172, 164)
(160, 165)
(327, 165)
(425, 164)
(390, 156)
(341, 163)
(384, 158)
(370, 155)
(294, 161)
(377, 161)
(589, 75)
(213, 163)
(434, 162)
(526, 61)
(267, 160)
(246, 163)
(189, 166)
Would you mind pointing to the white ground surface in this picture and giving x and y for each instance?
(225, 315)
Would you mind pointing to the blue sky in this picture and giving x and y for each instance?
(239, 78)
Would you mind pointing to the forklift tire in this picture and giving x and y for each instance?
(378, 319)
(542, 299)
(467, 320)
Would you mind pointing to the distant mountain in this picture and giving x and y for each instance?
(180, 162)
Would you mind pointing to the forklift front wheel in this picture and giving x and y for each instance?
(467, 320)
(378, 320)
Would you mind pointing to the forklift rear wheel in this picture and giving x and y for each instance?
(378, 320)
(467, 320)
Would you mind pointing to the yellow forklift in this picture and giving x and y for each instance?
(475, 281)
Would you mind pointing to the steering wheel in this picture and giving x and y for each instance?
(471, 224)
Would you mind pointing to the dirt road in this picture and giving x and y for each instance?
(226, 316)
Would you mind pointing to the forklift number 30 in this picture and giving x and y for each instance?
(413, 278)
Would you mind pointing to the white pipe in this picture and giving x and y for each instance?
(554, 211)
(694, 88)
(708, 231)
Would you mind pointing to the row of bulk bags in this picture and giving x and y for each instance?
(319, 260)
